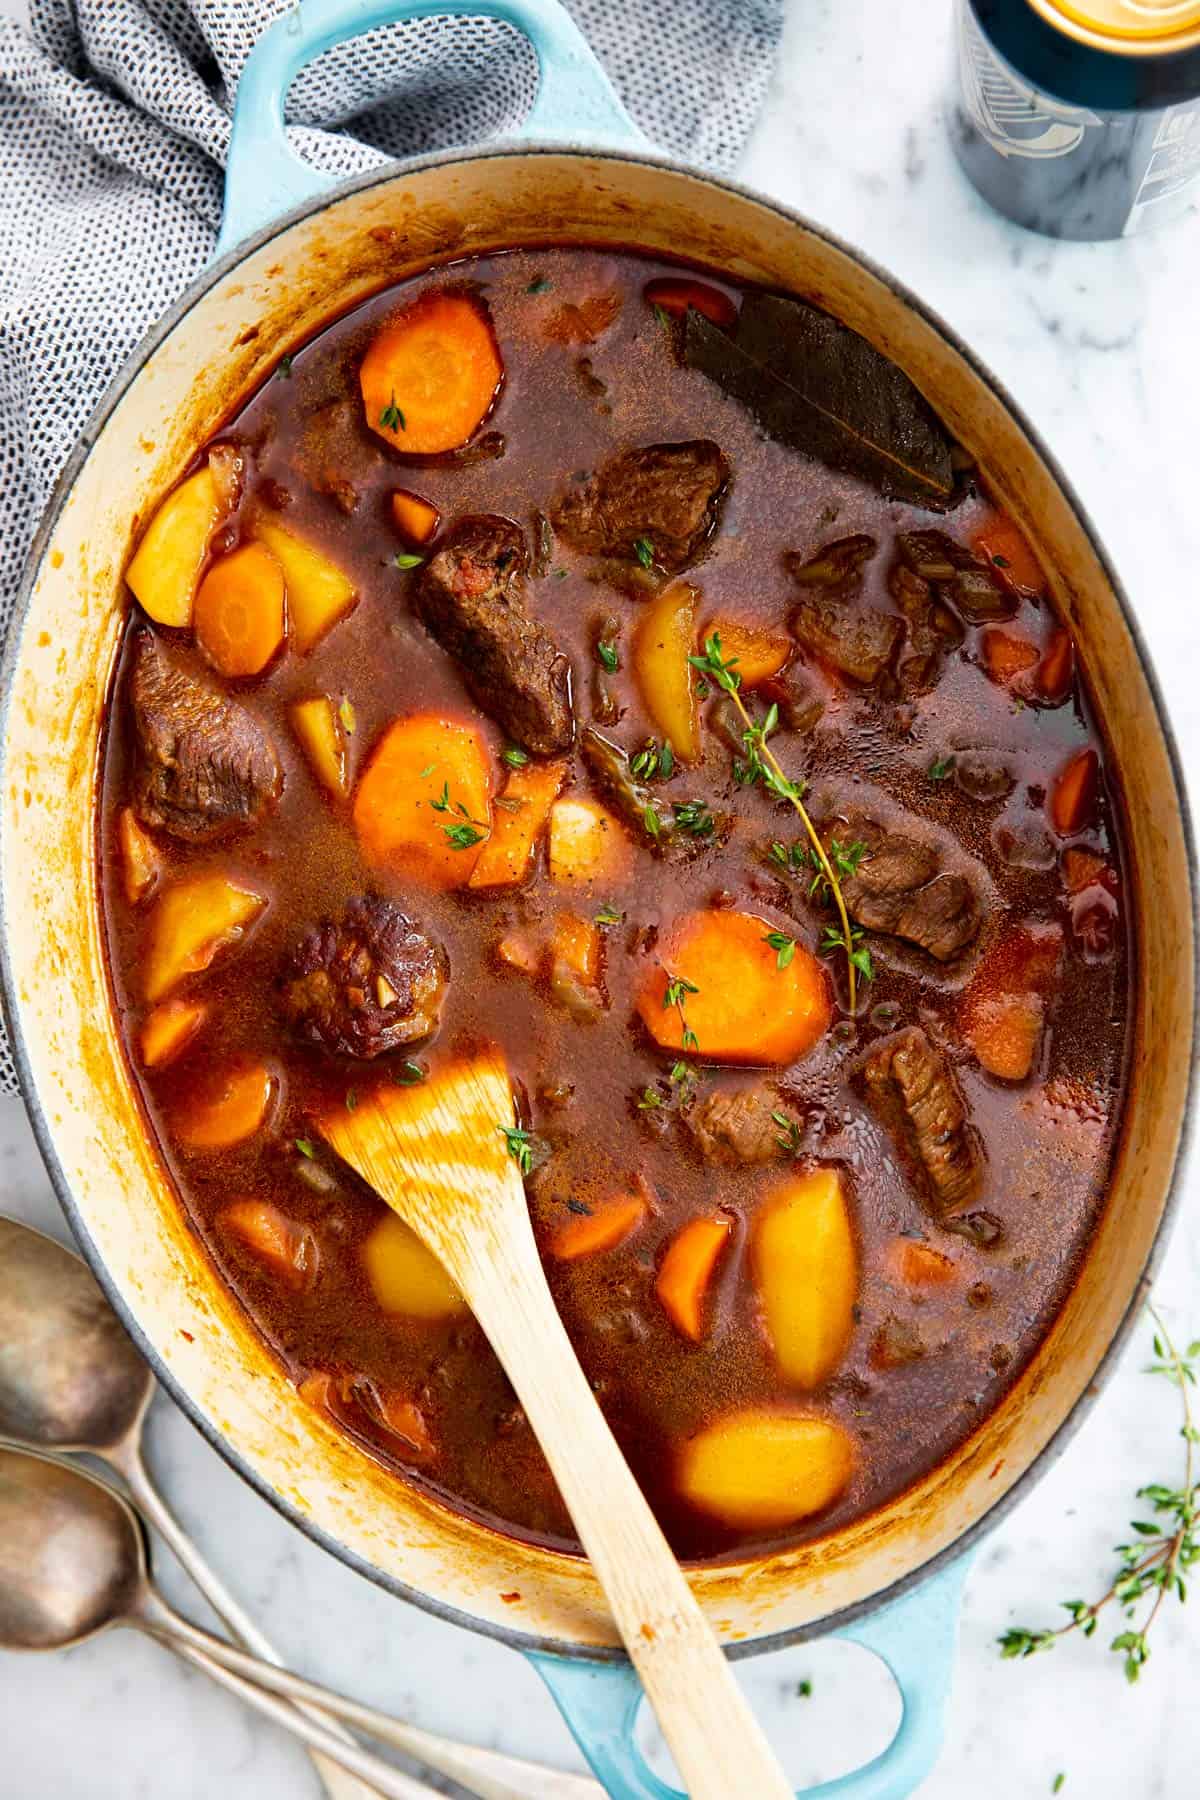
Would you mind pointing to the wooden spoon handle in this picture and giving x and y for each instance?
(718, 1745)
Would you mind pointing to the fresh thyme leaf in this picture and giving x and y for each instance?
(539, 285)
(666, 760)
(677, 991)
(689, 1039)
(427, 771)
(463, 837)
(442, 803)
(348, 717)
(351, 1099)
(652, 822)
(663, 317)
(789, 1136)
(804, 1689)
(608, 655)
(285, 368)
(1060, 1780)
(1151, 1570)
(783, 945)
(410, 1072)
(513, 756)
(519, 1145)
(407, 559)
(941, 768)
(1001, 562)
(694, 817)
(649, 1099)
(391, 418)
(304, 1146)
(643, 549)
(608, 915)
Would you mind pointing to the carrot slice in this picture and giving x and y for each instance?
(687, 1269)
(168, 1028)
(431, 376)
(739, 1004)
(1073, 796)
(758, 654)
(289, 1250)
(140, 857)
(587, 1234)
(1056, 671)
(675, 293)
(1005, 656)
(424, 803)
(230, 1112)
(1002, 544)
(520, 817)
(238, 611)
(414, 518)
(1005, 1033)
(920, 1265)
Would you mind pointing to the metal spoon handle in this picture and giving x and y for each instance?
(484, 1772)
(127, 1458)
(390, 1783)
(487, 1773)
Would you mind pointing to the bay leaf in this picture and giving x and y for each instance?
(818, 387)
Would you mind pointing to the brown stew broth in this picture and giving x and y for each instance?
(1047, 1139)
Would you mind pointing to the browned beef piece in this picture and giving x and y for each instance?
(369, 982)
(739, 1125)
(932, 629)
(665, 495)
(901, 887)
(335, 453)
(203, 765)
(471, 596)
(857, 641)
(958, 576)
(910, 1084)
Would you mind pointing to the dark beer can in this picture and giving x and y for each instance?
(1080, 118)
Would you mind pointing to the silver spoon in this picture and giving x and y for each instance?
(74, 1561)
(71, 1380)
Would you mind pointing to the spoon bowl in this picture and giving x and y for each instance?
(70, 1378)
(72, 1557)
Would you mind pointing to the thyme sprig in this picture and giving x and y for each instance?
(1151, 1567)
(677, 991)
(760, 756)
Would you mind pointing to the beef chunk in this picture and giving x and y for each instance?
(665, 494)
(910, 1084)
(471, 596)
(739, 1125)
(932, 630)
(897, 1342)
(367, 983)
(958, 577)
(203, 765)
(900, 887)
(336, 456)
(857, 641)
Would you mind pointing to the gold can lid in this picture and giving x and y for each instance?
(1135, 26)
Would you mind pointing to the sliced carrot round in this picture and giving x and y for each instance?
(238, 613)
(230, 1112)
(431, 376)
(675, 293)
(424, 802)
(1073, 795)
(738, 1005)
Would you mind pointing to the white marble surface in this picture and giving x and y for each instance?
(1098, 344)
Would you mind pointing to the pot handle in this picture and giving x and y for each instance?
(264, 178)
(916, 1636)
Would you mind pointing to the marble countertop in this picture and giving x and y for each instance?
(1098, 344)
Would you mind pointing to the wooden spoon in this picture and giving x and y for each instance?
(436, 1154)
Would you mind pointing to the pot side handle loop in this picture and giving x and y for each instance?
(916, 1636)
(265, 178)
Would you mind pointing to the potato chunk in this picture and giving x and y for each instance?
(165, 570)
(760, 1470)
(167, 1030)
(665, 638)
(323, 740)
(586, 843)
(318, 592)
(806, 1271)
(191, 922)
(407, 1278)
(734, 998)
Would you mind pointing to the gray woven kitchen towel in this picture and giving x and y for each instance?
(114, 121)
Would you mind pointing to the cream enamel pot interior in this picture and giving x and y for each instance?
(258, 301)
